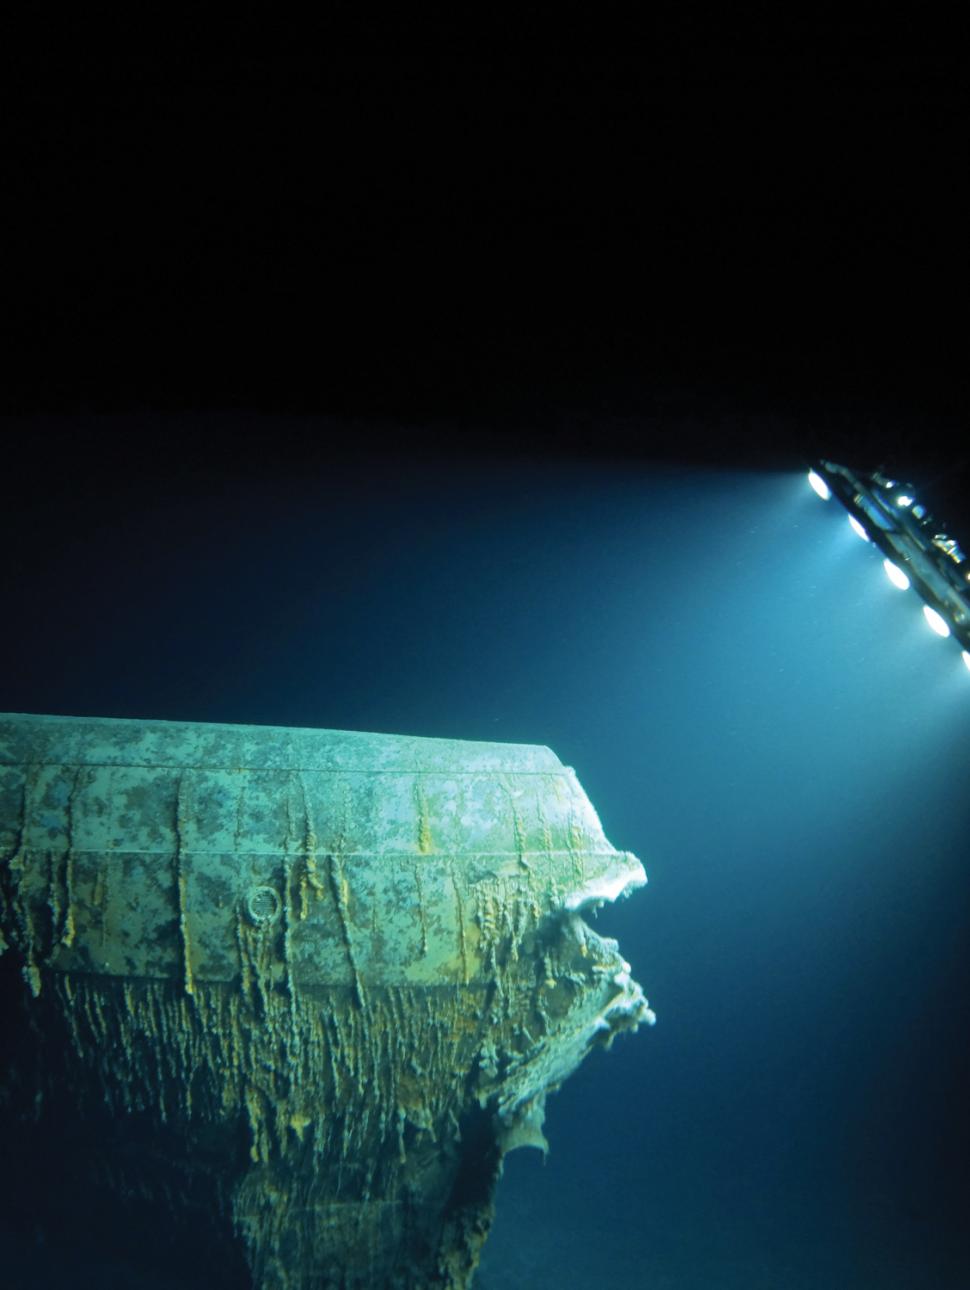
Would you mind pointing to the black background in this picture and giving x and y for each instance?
(738, 242)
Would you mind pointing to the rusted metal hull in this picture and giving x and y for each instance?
(338, 972)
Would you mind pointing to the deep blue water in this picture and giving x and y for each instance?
(752, 709)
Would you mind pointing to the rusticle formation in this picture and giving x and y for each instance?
(327, 977)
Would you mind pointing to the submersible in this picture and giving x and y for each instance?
(302, 989)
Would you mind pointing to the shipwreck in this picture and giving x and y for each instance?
(287, 996)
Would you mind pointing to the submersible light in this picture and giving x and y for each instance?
(896, 575)
(936, 621)
(887, 515)
(857, 528)
(820, 486)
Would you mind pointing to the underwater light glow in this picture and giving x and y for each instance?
(936, 621)
(914, 549)
(895, 575)
(820, 486)
(857, 528)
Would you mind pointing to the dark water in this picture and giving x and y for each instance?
(753, 710)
